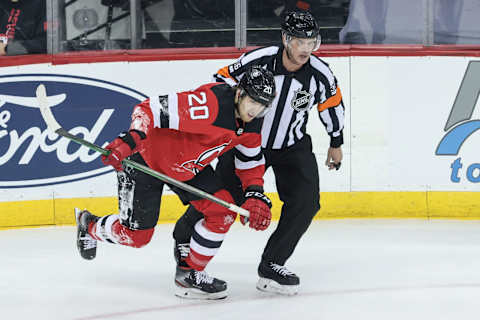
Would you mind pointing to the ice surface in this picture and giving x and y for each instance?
(349, 269)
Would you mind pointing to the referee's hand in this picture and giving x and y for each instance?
(334, 158)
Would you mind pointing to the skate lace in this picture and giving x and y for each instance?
(88, 243)
(203, 277)
(184, 249)
(283, 271)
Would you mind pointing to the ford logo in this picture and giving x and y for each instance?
(30, 155)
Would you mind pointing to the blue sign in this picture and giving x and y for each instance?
(30, 155)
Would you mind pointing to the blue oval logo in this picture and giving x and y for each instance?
(30, 156)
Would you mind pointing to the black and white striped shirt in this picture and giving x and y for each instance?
(297, 93)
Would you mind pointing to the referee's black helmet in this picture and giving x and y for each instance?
(300, 24)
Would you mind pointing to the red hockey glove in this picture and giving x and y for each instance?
(259, 206)
(122, 147)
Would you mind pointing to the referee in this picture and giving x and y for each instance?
(303, 81)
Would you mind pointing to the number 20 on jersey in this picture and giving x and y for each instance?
(197, 108)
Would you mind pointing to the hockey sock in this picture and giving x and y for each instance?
(204, 244)
(109, 229)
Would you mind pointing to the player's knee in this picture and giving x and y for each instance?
(220, 223)
(142, 237)
(217, 218)
(132, 238)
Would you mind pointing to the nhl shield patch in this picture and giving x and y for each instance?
(301, 100)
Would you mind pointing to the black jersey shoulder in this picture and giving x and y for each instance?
(226, 110)
(254, 126)
(226, 106)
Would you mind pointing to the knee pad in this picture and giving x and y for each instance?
(217, 218)
(220, 223)
(132, 238)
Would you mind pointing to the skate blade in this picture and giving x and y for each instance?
(192, 293)
(270, 286)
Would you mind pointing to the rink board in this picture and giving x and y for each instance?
(399, 112)
(335, 205)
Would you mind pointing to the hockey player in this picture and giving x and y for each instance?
(179, 135)
(303, 81)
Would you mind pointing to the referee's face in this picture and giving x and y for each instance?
(300, 49)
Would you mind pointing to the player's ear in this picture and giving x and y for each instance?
(238, 91)
(284, 39)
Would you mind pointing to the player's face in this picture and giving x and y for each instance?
(249, 109)
(300, 49)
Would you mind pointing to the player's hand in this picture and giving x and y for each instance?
(334, 158)
(122, 147)
(259, 206)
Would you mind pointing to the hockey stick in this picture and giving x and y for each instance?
(54, 126)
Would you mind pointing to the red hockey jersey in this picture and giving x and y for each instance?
(186, 131)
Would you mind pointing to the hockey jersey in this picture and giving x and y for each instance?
(186, 131)
(297, 92)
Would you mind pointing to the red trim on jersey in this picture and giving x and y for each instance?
(326, 50)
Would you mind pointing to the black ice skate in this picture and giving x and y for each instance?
(192, 284)
(181, 251)
(87, 246)
(277, 279)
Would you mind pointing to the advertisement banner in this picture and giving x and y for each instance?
(411, 147)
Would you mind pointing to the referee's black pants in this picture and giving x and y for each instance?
(296, 177)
